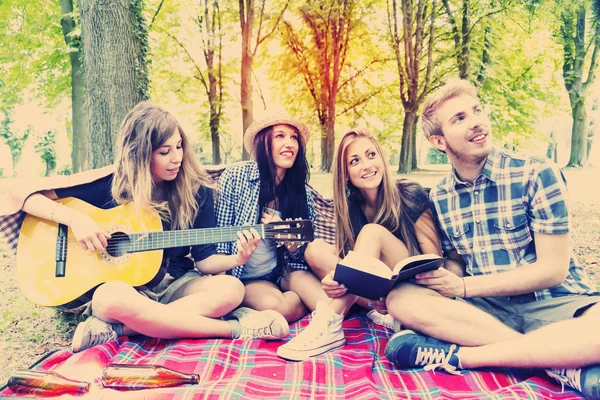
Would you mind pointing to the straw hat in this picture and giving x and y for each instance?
(276, 119)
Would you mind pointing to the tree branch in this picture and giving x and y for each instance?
(155, 15)
(196, 67)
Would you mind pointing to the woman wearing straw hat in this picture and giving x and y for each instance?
(271, 188)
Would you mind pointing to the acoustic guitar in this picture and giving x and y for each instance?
(53, 269)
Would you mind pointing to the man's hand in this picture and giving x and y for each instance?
(442, 281)
(333, 288)
(247, 242)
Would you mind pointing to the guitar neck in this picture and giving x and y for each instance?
(163, 240)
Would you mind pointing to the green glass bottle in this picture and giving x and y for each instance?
(131, 376)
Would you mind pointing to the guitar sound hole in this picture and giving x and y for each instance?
(118, 244)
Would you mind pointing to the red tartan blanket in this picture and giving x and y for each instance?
(251, 369)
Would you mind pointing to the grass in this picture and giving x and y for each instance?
(28, 331)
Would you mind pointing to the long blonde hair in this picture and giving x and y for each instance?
(145, 128)
(388, 213)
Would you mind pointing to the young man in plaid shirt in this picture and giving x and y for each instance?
(523, 301)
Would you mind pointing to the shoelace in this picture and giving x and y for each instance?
(567, 376)
(102, 337)
(432, 359)
(308, 332)
(253, 333)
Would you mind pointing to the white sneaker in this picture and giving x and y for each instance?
(268, 324)
(384, 320)
(92, 332)
(323, 333)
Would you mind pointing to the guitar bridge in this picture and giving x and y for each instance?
(61, 250)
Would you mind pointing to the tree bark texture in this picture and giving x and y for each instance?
(578, 156)
(210, 29)
(412, 39)
(114, 44)
(247, 26)
(575, 50)
(406, 155)
(79, 150)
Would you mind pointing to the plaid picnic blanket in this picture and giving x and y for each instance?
(251, 369)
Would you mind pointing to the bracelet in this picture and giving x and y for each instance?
(53, 211)
(464, 287)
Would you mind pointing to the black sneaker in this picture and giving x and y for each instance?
(409, 349)
(586, 379)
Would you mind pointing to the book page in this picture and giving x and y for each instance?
(413, 261)
(366, 263)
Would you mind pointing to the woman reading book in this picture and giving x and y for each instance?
(157, 170)
(374, 215)
(268, 189)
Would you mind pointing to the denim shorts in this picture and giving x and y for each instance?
(161, 293)
(274, 276)
(524, 313)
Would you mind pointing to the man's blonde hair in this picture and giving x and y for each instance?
(430, 125)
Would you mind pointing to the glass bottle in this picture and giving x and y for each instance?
(130, 376)
(45, 382)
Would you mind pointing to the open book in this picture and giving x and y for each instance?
(369, 277)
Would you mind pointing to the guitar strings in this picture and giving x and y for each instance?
(115, 243)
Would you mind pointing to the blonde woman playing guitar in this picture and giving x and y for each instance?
(157, 171)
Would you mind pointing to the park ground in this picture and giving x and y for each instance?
(28, 331)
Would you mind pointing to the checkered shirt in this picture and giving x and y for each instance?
(490, 223)
(237, 204)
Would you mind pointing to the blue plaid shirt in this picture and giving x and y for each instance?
(237, 204)
(490, 223)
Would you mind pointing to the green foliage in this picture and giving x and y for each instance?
(13, 140)
(178, 64)
(521, 87)
(46, 147)
(436, 157)
(33, 54)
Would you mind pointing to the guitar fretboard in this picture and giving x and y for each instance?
(164, 240)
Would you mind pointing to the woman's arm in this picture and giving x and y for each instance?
(217, 263)
(427, 235)
(87, 232)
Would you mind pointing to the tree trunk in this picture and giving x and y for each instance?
(79, 151)
(406, 147)
(247, 25)
(328, 141)
(246, 97)
(465, 65)
(215, 116)
(413, 147)
(579, 135)
(114, 44)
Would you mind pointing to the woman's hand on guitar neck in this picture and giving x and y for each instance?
(247, 242)
(87, 232)
(267, 218)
